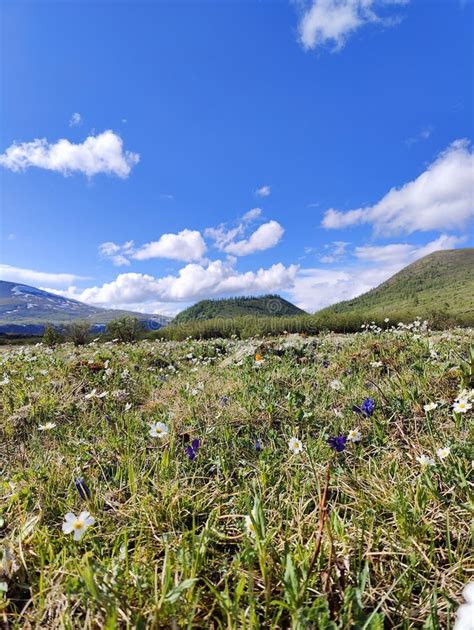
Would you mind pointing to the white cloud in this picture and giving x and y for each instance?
(316, 288)
(252, 214)
(97, 154)
(187, 245)
(333, 21)
(31, 277)
(76, 119)
(193, 282)
(337, 251)
(117, 253)
(441, 198)
(264, 237)
(264, 191)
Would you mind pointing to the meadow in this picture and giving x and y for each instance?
(292, 481)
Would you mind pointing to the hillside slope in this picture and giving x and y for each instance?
(26, 310)
(264, 306)
(441, 281)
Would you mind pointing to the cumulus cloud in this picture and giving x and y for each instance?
(35, 278)
(103, 153)
(264, 237)
(193, 282)
(441, 198)
(118, 254)
(187, 245)
(333, 21)
(75, 120)
(264, 191)
(316, 288)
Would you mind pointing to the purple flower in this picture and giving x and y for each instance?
(367, 407)
(325, 363)
(338, 443)
(191, 451)
(82, 488)
(223, 401)
(258, 445)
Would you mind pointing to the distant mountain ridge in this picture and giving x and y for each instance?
(26, 310)
(263, 306)
(441, 281)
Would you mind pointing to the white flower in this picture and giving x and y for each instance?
(465, 612)
(77, 524)
(91, 395)
(295, 445)
(335, 384)
(376, 364)
(354, 435)
(430, 406)
(128, 406)
(47, 427)
(424, 460)
(386, 320)
(249, 526)
(461, 406)
(5, 381)
(442, 453)
(159, 430)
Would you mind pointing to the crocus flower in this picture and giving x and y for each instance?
(338, 443)
(77, 524)
(191, 451)
(82, 488)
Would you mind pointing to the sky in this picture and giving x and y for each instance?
(153, 154)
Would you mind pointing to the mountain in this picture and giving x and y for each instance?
(264, 306)
(441, 281)
(26, 310)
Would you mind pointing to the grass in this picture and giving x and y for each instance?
(365, 538)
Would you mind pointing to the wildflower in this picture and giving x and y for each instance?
(367, 407)
(335, 384)
(325, 363)
(425, 461)
(444, 452)
(191, 451)
(354, 435)
(338, 443)
(77, 524)
(465, 612)
(249, 525)
(47, 427)
(386, 320)
(376, 364)
(258, 445)
(258, 358)
(5, 381)
(223, 401)
(82, 488)
(159, 430)
(430, 406)
(461, 406)
(295, 445)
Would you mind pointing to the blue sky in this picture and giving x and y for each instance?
(153, 153)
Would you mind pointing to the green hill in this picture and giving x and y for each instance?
(264, 306)
(442, 281)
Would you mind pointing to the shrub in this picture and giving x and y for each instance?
(52, 336)
(78, 333)
(126, 329)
